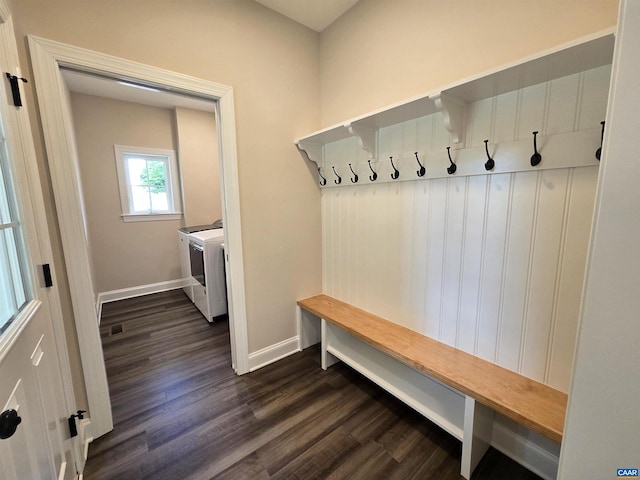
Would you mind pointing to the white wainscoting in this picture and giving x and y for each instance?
(492, 264)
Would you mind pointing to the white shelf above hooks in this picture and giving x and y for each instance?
(452, 101)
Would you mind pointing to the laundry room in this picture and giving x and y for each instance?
(133, 210)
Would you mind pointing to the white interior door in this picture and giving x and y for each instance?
(31, 386)
(34, 370)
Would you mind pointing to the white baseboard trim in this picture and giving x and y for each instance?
(98, 309)
(273, 353)
(140, 290)
(81, 443)
(529, 449)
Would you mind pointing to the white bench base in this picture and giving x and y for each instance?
(458, 414)
(474, 424)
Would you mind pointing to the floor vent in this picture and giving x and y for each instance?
(117, 329)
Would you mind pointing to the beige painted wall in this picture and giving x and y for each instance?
(123, 254)
(383, 51)
(199, 165)
(272, 64)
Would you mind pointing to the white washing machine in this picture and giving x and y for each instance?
(206, 255)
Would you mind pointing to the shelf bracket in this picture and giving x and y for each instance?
(366, 138)
(311, 151)
(452, 113)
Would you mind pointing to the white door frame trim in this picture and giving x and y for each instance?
(47, 57)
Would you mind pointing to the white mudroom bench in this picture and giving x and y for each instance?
(454, 389)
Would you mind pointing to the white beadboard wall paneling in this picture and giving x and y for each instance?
(345, 240)
(516, 273)
(474, 234)
(505, 117)
(350, 236)
(425, 127)
(531, 112)
(326, 243)
(454, 251)
(437, 223)
(572, 267)
(548, 229)
(331, 232)
(497, 207)
(479, 122)
(387, 234)
(406, 238)
(489, 262)
(559, 267)
(595, 89)
(418, 254)
(562, 104)
(385, 225)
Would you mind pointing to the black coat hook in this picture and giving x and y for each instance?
(453, 167)
(337, 181)
(599, 151)
(536, 158)
(322, 182)
(373, 177)
(489, 164)
(396, 172)
(422, 170)
(355, 176)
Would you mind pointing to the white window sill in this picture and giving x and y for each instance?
(156, 217)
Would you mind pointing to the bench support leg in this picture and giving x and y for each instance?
(326, 358)
(478, 427)
(308, 328)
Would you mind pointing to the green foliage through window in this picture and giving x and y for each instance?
(155, 177)
(148, 181)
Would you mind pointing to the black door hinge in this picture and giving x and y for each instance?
(46, 271)
(73, 430)
(15, 88)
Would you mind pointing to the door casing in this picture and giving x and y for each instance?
(47, 57)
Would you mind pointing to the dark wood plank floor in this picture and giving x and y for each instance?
(181, 413)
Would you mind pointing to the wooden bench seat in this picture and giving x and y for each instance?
(530, 403)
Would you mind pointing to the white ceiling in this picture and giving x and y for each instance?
(315, 14)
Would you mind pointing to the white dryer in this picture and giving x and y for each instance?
(206, 254)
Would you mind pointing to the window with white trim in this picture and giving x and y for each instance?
(14, 280)
(149, 184)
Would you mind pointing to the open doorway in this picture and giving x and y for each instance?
(48, 58)
(148, 165)
(149, 168)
